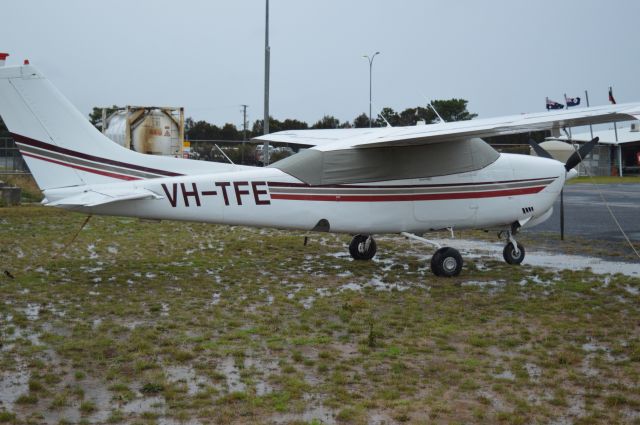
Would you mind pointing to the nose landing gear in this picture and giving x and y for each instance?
(513, 252)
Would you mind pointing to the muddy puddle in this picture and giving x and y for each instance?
(188, 376)
(483, 249)
(12, 385)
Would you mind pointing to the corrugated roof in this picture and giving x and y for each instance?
(608, 137)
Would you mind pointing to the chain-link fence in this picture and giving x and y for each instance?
(11, 161)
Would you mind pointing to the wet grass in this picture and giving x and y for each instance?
(139, 322)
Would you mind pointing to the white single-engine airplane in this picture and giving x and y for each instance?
(407, 180)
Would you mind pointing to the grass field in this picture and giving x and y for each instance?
(179, 323)
(606, 180)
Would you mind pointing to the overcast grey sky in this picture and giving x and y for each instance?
(504, 56)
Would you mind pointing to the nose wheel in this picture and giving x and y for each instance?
(513, 252)
(362, 247)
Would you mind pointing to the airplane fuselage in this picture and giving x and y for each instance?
(513, 188)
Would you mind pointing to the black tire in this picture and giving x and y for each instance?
(446, 262)
(509, 254)
(357, 248)
(435, 260)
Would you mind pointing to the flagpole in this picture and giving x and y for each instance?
(615, 129)
(612, 100)
(566, 102)
(586, 96)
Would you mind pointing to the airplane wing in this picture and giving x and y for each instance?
(93, 198)
(452, 131)
(554, 120)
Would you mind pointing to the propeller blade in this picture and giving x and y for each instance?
(539, 149)
(580, 154)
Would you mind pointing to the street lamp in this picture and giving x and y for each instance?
(370, 59)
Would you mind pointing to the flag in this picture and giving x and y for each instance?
(553, 105)
(571, 101)
(611, 99)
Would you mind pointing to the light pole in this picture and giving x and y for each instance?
(370, 59)
(267, 65)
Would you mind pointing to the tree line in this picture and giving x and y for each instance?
(450, 110)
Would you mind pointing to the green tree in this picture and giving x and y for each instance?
(361, 121)
(230, 132)
(95, 117)
(294, 124)
(188, 124)
(453, 109)
(389, 115)
(450, 110)
(274, 125)
(411, 116)
(328, 121)
(202, 130)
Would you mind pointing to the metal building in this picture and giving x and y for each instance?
(617, 152)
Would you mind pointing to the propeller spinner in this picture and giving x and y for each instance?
(575, 159)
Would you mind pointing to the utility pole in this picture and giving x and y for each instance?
(244, 131)
(267, 58)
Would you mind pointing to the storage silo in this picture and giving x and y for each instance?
(147, 129)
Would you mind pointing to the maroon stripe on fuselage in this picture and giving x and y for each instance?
(47, 146)
(366, 186)
(418, 197)
(79, 167)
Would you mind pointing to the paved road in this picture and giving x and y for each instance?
(586, 213)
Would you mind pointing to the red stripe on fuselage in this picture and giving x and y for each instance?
(79, 167)
(418, 197)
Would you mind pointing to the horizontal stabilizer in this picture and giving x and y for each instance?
(93, 198)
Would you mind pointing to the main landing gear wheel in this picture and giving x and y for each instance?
(362, 247)
(513, 255)
(446, 262)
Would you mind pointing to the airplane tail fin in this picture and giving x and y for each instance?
(63, 149)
